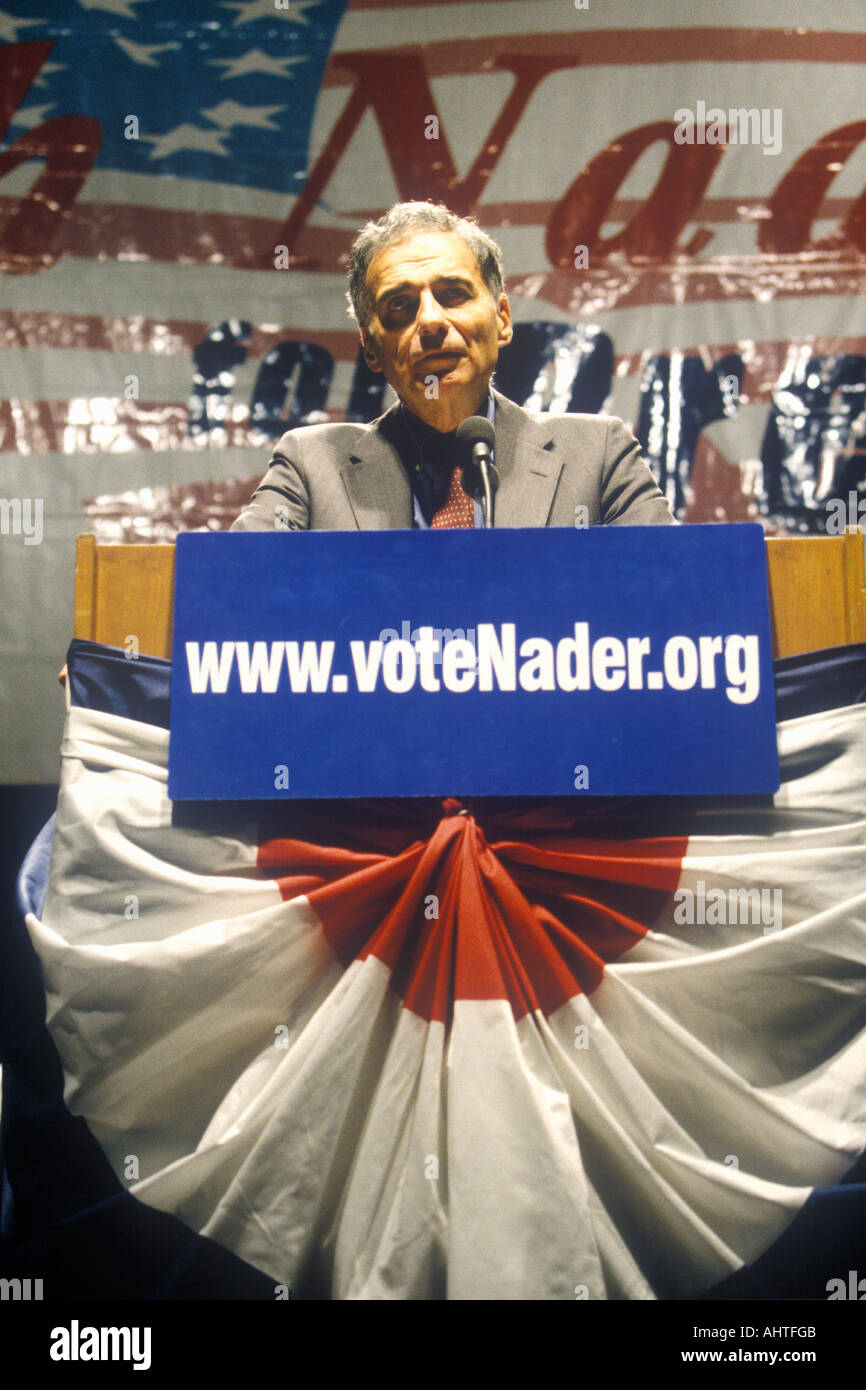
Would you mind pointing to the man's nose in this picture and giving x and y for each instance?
(430, 312)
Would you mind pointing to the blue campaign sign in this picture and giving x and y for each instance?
(620, 660)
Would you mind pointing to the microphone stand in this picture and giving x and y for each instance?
(480, 478)
(482, 467)
(487, 500)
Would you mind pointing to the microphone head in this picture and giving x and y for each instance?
(469, 435)
(476, 430)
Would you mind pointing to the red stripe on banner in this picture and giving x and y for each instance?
(128, 231)
(104, 426)
(101, 426)
(633, 47)
(684, 281)
(312, 866)
(714, 210)
(24, 328)
(639, 862)
(119, 231)
(530, 921)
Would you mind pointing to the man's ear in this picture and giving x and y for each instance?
(371, 355)
(506, 329)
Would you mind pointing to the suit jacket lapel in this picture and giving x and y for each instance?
(381, 498)
(375, 479)
(527, 464)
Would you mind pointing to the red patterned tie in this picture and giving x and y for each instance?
(458, 509)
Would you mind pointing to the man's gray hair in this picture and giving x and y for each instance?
(398, 224)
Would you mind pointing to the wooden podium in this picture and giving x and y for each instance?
(817, 593)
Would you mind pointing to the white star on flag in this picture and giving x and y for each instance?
(120, 7)
(186, 137)
(10, 24)
(142, 52)
(31, 116)
(268, 9)
(231, 113)
(256, 61)
(45, 72)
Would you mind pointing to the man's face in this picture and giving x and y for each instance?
(435, 329)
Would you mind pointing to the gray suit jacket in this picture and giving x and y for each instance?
(349, 477)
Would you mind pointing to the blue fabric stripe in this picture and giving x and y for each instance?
(106, 679)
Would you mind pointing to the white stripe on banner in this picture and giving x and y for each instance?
(413, 21)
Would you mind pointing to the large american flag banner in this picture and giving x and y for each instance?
(678, 192)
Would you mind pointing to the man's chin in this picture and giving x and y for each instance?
(451, 389)
(446, 374)
(454, 378)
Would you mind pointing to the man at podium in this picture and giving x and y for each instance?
(426, 290)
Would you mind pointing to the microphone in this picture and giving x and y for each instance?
(479, 477)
